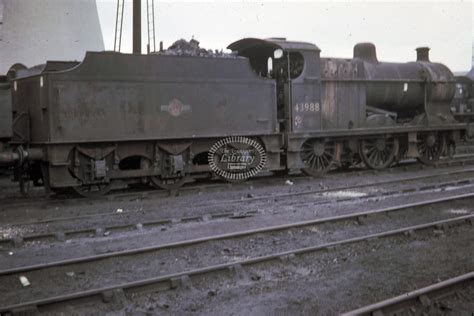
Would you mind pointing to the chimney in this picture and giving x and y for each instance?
(365, 51)
(423, 54)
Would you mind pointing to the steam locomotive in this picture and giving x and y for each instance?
(117, 119)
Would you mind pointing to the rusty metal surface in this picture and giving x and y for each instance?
(400, 87)
(343, 94)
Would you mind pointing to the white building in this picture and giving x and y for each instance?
(34, 31)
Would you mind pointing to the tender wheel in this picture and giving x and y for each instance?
(93, 190)
(318, 155)
(172, 181)
(378, 153)
(168, 184)
(430, 147)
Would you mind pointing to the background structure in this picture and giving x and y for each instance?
(33, 31)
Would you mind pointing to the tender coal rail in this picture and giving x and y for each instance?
(407, 303)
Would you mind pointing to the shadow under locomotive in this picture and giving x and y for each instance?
(125, 118)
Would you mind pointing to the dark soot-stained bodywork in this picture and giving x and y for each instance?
(463, 102)
(153, 118)
(18, 71)
(117, 109)
(5, 112)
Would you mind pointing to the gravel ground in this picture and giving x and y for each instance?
(172, 207)
(144, 211)
(268, 289)
(322, 284)
(56, 281)
(462, 303)
(279, 215)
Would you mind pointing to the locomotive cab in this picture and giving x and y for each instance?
(295, 66)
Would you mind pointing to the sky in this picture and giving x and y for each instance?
(395, 27)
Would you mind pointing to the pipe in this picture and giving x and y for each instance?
(34, 154)
(19, 156)
(8, 158)
(137, 27)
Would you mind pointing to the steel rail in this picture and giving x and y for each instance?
(259, 198)
(393, 303)
(232, 235)
(162, 193)
(98, 231)
(178, 277)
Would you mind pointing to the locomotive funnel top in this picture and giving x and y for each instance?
(423, 54)
(365, 51)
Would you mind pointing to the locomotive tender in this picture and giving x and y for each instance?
(121, 118)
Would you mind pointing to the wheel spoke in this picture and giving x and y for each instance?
(378, 153)
(318, 156)
(429, 153)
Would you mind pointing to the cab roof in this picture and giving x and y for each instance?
(275, 43)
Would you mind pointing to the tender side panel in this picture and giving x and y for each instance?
(96, 111)
(118, 97)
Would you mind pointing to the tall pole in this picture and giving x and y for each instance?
(137, 26)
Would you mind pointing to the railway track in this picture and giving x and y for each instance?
(124, 224)
(253, 185)
(177, 278)
(39, 198)
(415, 301)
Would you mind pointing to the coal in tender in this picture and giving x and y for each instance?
(184, 48)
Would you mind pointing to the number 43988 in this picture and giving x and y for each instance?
(307, 107)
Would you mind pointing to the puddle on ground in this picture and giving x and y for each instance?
(344, 194)
(458, 211)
